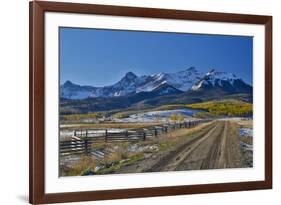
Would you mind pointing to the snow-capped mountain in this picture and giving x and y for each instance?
(224, 81)
(168, 83)
(70, 90)
(131, 83)
(125, 86)
(182, 80)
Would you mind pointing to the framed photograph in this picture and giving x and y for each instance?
(139, 102)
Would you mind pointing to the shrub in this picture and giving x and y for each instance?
(120, 152)
(84, 166)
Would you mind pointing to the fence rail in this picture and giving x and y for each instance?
(82, 140)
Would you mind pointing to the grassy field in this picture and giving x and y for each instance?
(225, 108)
(108, 125)
(82, 116)
(228, 107)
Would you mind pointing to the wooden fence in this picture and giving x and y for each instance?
(82, 140)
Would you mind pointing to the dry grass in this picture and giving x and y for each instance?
(113, 157)
(243, 124)
(246, 123)
(247, 140)
(83, 165)
(120, 152)
(109, 125)
(171, 138)
(243, 158)
(99, 145)
(186, 132)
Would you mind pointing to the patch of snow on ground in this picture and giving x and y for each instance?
(246, 146)
(245, 132)
(137, 148)
(153, 116)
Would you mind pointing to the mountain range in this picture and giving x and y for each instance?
(141, 92)
(163, 84)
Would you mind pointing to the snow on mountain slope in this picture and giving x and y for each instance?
(131, 83)
(182, 80)
(225, 81)
(123, 87)
(166, 89)
(187, 79)
(70, 90)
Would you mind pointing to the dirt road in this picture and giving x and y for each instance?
(216, 146)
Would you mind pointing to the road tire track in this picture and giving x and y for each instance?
(214, 147)
(215, 157)
(174, 158)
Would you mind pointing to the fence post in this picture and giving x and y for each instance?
(105, 136)
(126, 134)
(144, 135)
(155, 131)
(86, 145)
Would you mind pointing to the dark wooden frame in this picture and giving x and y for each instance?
(36, 151)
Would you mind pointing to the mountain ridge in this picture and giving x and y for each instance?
(189, 79)
(226, 81)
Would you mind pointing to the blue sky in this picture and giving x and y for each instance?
(102, 57)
